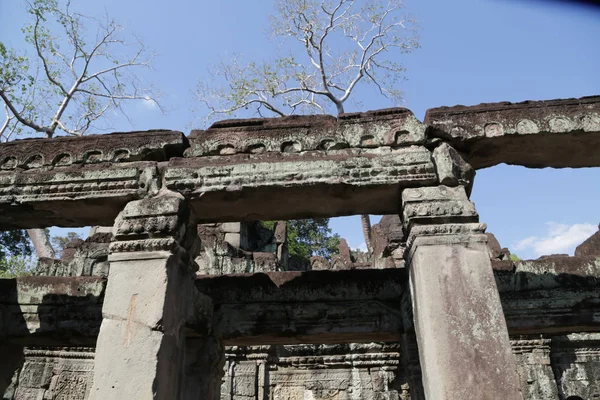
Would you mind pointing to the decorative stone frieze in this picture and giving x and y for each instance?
(63, 151)
(56, 373)
(438, 210)
(576, 365)
(553, 133)
(534, 368)
(159, 224)
(294, 134)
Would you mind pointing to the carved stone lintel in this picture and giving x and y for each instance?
(392, 127)
(75, 195)
(156, 145)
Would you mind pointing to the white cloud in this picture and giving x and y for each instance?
(559, 238)
(149, 103)
(361, 247)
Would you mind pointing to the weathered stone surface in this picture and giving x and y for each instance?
(305, 307)
(156, 145)
(51, 309)
(535, 134)
(436, 205)
(294, 134)
(590, 247)
(75, 195)
(461, 315)
(535, 371)
(163, 332)
(456, 306)
(204, 361)
(344, 182)
(496, 251)
(576, 365)
(555, 295)
(80, 258)
(57, 373)
(365, 371)
(452, 169)
(150, 298)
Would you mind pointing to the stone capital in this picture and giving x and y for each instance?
(153, 228)
(439, 215)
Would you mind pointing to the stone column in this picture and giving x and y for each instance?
(204, 363)
(141, 345)
(464, 349)
(535, 369)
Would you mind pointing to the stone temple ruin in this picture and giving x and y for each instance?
(187, 297)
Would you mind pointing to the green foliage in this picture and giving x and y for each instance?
(310, 237)
(14, 243)
(16, 266)
(15, 254)
(76, 69)
(514, 257)
(323, 50)
(60, 242)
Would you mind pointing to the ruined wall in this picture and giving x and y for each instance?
(162, 330)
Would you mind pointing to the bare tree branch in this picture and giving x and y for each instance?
(76, 78)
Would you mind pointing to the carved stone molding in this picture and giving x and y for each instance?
(157, 224)
(350, 181)
(438, 211)
(553, 133)
(72, 196)
(294, 134)
(156, 145)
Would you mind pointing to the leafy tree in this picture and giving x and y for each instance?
(15, 252)
(14, 243)
(15, 266)
(340, 44)
(79, 70)
(60, 242)
(310, 237)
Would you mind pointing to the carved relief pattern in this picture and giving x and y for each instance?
(434, 205)
(532, 117)
(321, 372)
(76, 184)
(90, 149)
(56, 373)
(206, 174)
(390, 127)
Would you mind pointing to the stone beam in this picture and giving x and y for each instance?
(313, 184)
(306, 307)
(51, 310)
(535, 134)
(554, 295)
(79, 181)
(323, 166)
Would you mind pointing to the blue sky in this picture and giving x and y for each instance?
(472, 51)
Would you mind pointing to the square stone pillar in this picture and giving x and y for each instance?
(464, 349)
(149, 297)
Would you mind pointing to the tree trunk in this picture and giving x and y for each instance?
(366, 225)
(41, 243)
